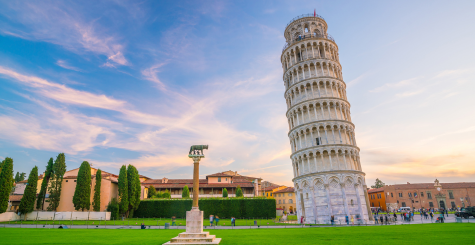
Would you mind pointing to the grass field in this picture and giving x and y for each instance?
(450, 233)
(150, 221)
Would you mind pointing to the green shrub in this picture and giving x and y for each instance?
(222, 207)
(239, 192)
(113, 207)
(225, 192)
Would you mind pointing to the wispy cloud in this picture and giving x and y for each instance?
(404, 83)
(65, 65)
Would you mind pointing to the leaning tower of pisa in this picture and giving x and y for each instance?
(328, 178)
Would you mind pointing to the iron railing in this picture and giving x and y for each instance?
(308, 36)
(303, 16)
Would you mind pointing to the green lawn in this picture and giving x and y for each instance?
(450, 233)
(152, 221)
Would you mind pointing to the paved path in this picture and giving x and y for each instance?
(417, 220)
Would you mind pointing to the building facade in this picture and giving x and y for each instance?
(325, 158)
(285, 200)
(212, 186)
(377, 198)
(430, 195)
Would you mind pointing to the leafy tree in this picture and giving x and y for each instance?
(59, 168)
(134, 188)
(96, 204)
(378, 184)
(186, 192)
(239, 192)
(44, 185)
(151, 191)
(27, 203)
(166, 194)
(113, 207)
(225, 192)
(82, 194)
(6, 184)
(159, 194)
(123, 190)
(22, 177)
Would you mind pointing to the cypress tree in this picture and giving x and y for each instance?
(152, 192)
(134, 188)
(138, 191)
(44, 185)
(82, 194)
(6, 184)
(97, 192)
(239, 192)
(27, 203)
(22, 177)
(225, 192)
(1, 165)
(186, 192)
(59, 168)
(123, 193)
(17, 177)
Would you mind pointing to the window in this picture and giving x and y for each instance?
(291, 201)
(267, 194)
(306, 195)
(226, 179)
(66, 180)
(431, 204)
(75, 180)
(279, 195)
(400, 194)
(451, 195)
(429, 195)
(219, 179)
(412, 201)
(280, 201)
(422, 194)
(379, 196)
(372, 204)
(283, 201)
(319, 140)
(403, 204)
(453, 204)
(415, 194)
(409, 194)
(290, 194)
(271, 194)
(351, 202)
(391, 194)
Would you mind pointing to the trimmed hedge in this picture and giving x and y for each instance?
(222, 207)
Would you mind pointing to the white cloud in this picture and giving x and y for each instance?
(65, 65)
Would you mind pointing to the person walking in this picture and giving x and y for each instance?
(381, 219)
(376, 218)
(386, 219)
(395, 217)
(211, 220)
(332, 219)
(352, 220)
(217, 220)
(447, 212)
(347, 220)
(173, 221)
(233, 221)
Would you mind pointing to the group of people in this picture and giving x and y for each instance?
(215, 220)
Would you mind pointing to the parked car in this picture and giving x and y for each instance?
(466, 212)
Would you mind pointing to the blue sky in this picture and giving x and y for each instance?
(138, 82)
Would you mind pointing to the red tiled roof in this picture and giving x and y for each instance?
(381, 189)
(270, 188)
(172, 181)
(23, 181)
(219, 175)
(142, 176)
(431, 185)
(288, 189)
(15, 198)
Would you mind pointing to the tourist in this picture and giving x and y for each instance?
(211, 219)
(347, 220)
(233, 221)
(173, 221)
(352, 220)
(447, 212)
(381, 219)
(395, 217)
(386, 218)
(217, 220)
(376, 218)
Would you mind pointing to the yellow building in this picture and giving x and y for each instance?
(285, 199)
(268, 192)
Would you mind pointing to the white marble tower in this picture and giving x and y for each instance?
(328, 178)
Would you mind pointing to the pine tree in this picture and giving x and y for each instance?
(82, 194)
(59, 168)
(6, 184)
(378, 184)
(1, 165)
(186, 192)
(225, 192)
(44, 185)
(152, 192)
(97, 192)
(123, 193)
(17, 177)
(239, 192)
(27, 203)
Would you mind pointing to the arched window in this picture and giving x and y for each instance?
(316, 33)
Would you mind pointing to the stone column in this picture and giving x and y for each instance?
(196, 182)
(358, 200)
(345, 201)
(327, 190)
(314, 207)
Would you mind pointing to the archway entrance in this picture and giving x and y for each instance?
(442, 204)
